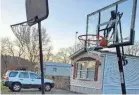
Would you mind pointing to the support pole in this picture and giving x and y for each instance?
(119, 57)
(41, 58)
(120, 64)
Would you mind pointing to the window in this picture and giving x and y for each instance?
(82, 71)
(34, 76)
(23, 75)
(13, 74)
(90, 73)
(85, 70)
(55, 69)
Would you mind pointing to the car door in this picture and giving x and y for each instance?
(35, 80)
(24, 79)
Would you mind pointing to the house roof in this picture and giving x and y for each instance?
(57, 64)
(77, 53)
(83, 50)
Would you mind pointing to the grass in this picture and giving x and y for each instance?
(4, 89)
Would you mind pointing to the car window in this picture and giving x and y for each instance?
(13, 74)
(34, 76)
(23, 75)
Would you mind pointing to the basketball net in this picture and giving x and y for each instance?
(92, 43)
(94, 54)
(22, 32)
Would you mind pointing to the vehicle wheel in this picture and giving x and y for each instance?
(39, 89)
(16, 87)
(47, 87)
(10, 88)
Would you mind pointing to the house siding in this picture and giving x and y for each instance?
(111, 81)
(56, 69)
(108, 76)
(60, 71)
(87, 86)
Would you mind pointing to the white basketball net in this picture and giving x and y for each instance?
(91, 49)
(22, 32)
(94, 54)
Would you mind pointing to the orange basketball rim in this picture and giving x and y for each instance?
(95, 39)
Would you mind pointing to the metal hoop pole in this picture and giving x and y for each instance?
(41, 58)
(120, 61)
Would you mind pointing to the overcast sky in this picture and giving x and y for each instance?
(65, 18)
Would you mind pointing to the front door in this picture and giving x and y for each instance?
(35, 80)
(24, 79)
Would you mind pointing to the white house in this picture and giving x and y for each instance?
(92, 77)
(56, 69)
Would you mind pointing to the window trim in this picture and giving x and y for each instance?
(35, 74)
(24, 72)
(12, 72)
(54, 69)
(79, 70)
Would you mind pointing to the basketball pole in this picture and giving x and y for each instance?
(41, 58)
(120, 64)
(120, 60)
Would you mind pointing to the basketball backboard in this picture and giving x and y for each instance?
(36, 10)
(115, 22)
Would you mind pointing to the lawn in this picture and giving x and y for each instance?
(4, 89)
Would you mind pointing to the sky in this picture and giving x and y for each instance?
(65, 18)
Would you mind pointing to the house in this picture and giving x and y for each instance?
(92, 77)
(59, 72)
(56, 69)
(12, 63)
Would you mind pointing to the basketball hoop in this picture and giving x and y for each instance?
(22, 31)
(93, 41)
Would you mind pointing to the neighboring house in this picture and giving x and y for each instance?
(11, 63)
(59, 72)
(91, 77)
(56, 69)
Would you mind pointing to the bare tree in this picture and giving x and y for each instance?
(63, 55)
(78, 46)
(12, 48)
(4, 54)
(19, 50)
(132, 50)
(48, 55)
(29, 39)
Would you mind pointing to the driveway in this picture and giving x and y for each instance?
(36, 91)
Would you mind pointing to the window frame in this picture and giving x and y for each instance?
(13, 72)
(34, 74)
(54, 69)
(22, 77)
(85, 72)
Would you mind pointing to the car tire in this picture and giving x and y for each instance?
(16, 87)
(10, 89)
(39, 89)
(47, 87)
